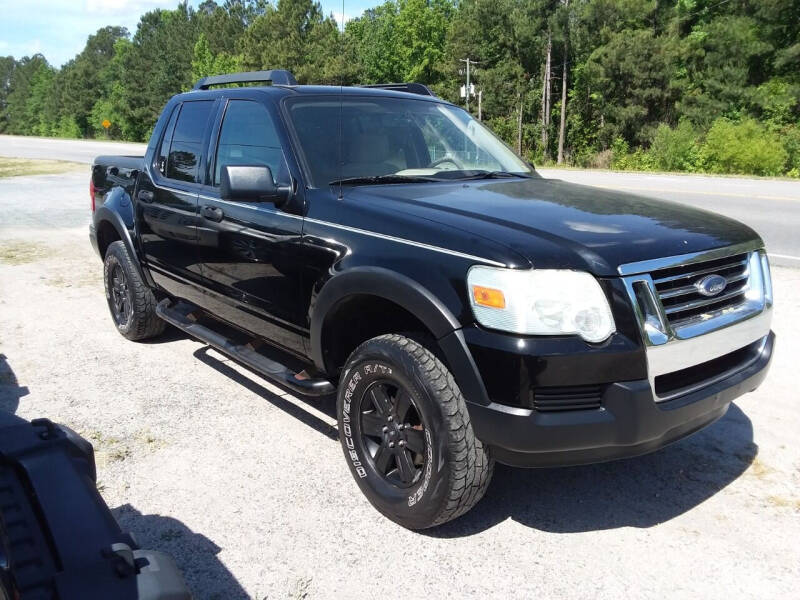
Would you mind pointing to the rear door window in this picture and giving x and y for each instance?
(185, 153)
(163, 153)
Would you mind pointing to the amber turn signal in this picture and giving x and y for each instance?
(488, 297)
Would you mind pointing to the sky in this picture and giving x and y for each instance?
(58, 28)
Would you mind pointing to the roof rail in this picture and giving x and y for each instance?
(275, 76)
(411, 88)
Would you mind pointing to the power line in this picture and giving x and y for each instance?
(707, 8)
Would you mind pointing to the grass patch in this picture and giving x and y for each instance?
(13, 167)
(759, 469)
(110, 449)
(783, 502)
(19, 252)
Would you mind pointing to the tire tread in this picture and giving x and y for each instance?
(471, 461)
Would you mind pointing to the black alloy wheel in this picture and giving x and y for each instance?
(392, 433)
(120, 301)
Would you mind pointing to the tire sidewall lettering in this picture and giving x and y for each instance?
(390, 499)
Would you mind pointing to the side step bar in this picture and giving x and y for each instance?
(244, 354)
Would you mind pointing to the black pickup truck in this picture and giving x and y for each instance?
(381, 242)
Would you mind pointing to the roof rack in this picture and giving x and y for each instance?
(275, 76)
(411, 88)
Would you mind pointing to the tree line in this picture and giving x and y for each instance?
(686, 85)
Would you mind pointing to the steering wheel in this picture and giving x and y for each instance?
(446, 159)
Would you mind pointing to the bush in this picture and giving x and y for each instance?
(790, 136)
(744, 147)
(675, 149)
(67, 127)
(624, 160)
(596, 160)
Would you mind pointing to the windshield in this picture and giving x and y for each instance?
(391, 139)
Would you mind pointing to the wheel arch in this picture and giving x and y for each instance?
(419, 305)
(110, 227)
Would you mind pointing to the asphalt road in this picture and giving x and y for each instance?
(770, 206)
(246, 486)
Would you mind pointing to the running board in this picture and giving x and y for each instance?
(298, 382)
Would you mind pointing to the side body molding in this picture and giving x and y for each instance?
(414, 298)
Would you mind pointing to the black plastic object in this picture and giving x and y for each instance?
(275, 77)
(58, 539)
(411, 88)
(178, 315)
(247, 182)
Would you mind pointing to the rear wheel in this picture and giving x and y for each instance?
(130, 300)
(407, 436)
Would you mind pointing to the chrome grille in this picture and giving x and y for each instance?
(678, 288)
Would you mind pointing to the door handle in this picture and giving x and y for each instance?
(145, 196)
(212, 213)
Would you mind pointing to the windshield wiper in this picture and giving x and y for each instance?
(379, 179)
(494, 175)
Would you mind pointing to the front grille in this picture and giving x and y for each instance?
(680, 297)
(580, 397)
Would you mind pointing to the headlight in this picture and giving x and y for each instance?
(540, 302)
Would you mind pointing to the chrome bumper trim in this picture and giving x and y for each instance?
(682, 354)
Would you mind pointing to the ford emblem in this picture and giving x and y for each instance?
(711, 285)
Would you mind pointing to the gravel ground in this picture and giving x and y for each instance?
(247, 487)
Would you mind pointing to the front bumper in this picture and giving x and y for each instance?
(630, 421)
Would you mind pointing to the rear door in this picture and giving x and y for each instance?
(168, 202)
(249, 252)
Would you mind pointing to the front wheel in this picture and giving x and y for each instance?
(407, 436)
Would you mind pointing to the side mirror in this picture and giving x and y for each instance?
(251, 183)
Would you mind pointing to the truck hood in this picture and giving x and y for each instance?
(555, 224)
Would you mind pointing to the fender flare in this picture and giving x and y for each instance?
(414, 298)
(104, 213)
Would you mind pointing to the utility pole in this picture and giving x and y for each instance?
(546, 99)
(562, 128)
(480, 98)
(469, 62)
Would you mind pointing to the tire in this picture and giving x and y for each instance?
(130, 300)
(394, 389)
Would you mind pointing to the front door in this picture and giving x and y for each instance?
(167, 201)
(250, 251)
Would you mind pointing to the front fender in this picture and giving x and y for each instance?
(414, 298)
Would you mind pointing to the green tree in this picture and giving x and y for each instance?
(294, 35)
(205, 63)
(156, 65)
(7, 66)
(41, 108)
(717, 64)
(20, 86)
(86, 78)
